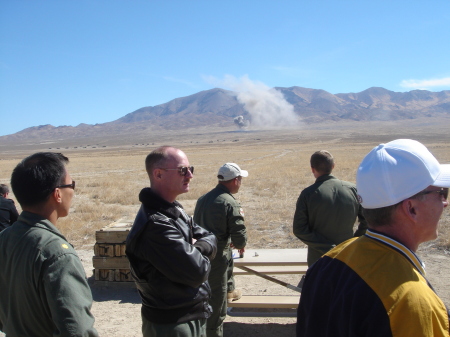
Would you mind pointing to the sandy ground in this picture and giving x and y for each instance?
(117, 308)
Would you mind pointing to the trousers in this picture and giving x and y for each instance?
(221, 281)
(196, 328)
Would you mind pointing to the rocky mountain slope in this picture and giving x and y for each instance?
(219, 107)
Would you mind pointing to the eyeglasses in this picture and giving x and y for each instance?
(72, 186)
(443, 192)
(183, 170)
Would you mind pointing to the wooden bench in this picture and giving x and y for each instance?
(261, 263)
(266, 301)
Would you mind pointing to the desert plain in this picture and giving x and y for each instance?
(110, 172)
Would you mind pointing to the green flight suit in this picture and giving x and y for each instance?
(325, 214)
(44, 291)
(219, 212)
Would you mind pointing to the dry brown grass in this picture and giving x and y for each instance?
(109, 180)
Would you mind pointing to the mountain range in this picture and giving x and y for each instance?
(219, 107)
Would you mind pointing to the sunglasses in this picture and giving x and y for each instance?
(183, 170)
(72, 185)
(443, 192)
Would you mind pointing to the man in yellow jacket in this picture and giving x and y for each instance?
(376, 285)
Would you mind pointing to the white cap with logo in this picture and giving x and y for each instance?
(229, 171)
(396, 171)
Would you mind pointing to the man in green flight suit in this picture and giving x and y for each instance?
(326, 211)
(219, 212)
(44, 290)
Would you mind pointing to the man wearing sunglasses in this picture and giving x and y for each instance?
(44, 291)
(169, 254)
(376, 285)
(219, 212)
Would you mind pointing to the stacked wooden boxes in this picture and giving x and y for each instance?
(110, 262)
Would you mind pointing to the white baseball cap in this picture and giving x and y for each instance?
(398, 170)
(231, 170)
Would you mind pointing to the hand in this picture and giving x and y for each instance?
(241, 251)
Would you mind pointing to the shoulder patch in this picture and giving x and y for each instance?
(241, 211)
(65, 246)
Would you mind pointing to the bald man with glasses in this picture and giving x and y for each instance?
(170, 256)
(376, 285)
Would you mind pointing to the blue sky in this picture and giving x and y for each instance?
(67, 62)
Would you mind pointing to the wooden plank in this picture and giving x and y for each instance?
(110, 262)
(104, 249)
(110, 275)
(117, 250)
(97, 274)
(118, 235)
(113, 275)
(125, 275)
(273, 270)
(104, 274)
(117, 275)
(266, 301)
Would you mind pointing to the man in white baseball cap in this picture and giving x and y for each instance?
(376, 284)
(230, 171)
(396, 171)
(219, 212)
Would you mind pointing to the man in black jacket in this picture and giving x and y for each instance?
(8, 211)
(169, 254)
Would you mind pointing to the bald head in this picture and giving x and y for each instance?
(159, 158)
(169, 172)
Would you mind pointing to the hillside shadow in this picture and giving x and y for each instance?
(232, 329)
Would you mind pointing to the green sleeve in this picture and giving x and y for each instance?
(69, 297)
(362, 227)
(236, 226)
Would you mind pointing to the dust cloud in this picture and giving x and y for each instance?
(266, 106)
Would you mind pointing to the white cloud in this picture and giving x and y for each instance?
(425, 84)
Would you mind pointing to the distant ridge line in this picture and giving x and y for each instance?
(218, 107)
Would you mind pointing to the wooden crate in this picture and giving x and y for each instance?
(110, 262)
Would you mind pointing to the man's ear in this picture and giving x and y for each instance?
(157, 174)
(56, 195)
(409, 209)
